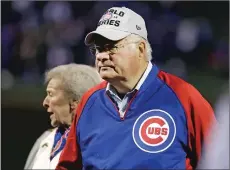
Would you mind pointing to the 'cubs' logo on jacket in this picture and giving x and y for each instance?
(154, 131)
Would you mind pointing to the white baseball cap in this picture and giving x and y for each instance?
(117, 23)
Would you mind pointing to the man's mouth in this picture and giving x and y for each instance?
(105, 67)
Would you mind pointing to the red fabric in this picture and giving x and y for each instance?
(199, 113)
(71, 157)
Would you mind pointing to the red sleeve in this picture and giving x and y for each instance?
(200, 119)
(71, 156)
(199, 113)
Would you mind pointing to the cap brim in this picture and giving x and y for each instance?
(110, 34)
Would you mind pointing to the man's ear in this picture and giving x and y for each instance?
(142, 49)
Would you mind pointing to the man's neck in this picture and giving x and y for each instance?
(123, 87)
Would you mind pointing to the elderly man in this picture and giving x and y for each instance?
(140, 117)
(66, 85)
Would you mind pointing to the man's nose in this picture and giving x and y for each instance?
(102, 56)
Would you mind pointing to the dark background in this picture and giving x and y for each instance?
(33, 41)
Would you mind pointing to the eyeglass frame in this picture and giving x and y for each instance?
(110, 51)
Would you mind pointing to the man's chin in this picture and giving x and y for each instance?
(107, 77)
(112, 78)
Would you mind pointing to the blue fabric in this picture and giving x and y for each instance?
(59, 141)
(152, 135)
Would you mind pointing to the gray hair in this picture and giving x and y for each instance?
(148, 46)
(76, 78)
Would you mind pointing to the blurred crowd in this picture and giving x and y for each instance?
(37, 36)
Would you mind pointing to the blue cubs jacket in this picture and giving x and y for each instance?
(164, 127)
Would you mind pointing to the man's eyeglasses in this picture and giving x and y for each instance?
(110, 48)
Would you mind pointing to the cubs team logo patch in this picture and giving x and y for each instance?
(154, 131)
